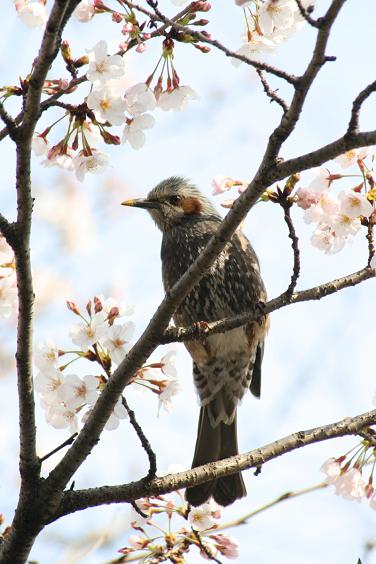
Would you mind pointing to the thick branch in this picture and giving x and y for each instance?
(198, 331)
(79, 500)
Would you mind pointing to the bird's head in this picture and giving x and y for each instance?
(173, 201)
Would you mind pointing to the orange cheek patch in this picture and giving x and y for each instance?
(191, 205)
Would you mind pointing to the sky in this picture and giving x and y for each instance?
(319, 358)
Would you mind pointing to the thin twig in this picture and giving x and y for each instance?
(371, 241)
(272, 94)
(357, 105)
(204, 548)
(286, 205)
(144, 441)
(305, 13)
(284, 497)
(9, 122)
(7, 229)
(55, 450)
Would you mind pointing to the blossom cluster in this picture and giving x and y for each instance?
(347, 475)
(8, 284)
(156, 541)
(338, 215)
(109, 103)
(104, 338)
(268, 24)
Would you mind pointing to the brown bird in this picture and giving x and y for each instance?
(224, 365)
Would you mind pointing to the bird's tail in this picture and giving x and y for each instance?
(215, 443)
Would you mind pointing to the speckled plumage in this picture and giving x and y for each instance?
(224, 365)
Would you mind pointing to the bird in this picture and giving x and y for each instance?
(226, 364)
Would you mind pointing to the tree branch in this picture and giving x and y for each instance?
(272, 94)
(81, 499)
(9, 122)
(198, 331)
(357, 106)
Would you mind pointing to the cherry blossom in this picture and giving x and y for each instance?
(61, 417)
(8, 296)
(108, 105)
(118, 413)
(257, 44)
(32, 15)
(139, 99)
(326, 207)
(305, 198)
(75, 392)
(227, 545)
(331, 469)
(177, 99)
(351, 485)
(39, 145)
(134, 130)
(48, 383)
(201, 518)
(354, 204)
(117, 340)
(169, 388)
(343, 225)
(46, 355)
(325, 239)
(103, 67)
(322, 179)
(85, 334)
(137, 542)
(95, 163)
(84, 11)
(168, 364)
(277, 15)
(64, 161)
(351, 157)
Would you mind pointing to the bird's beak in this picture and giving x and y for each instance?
(141, 203)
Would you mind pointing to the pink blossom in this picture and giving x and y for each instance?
(75, 392)
(351, 485)
(85, 10)
(32, 15)
(141, 47)
(137, 542)
(169, 388)
(177, 99)
(168, 364)
(201, 518)
(325, 239)
(95, 163)
(351, 157)
(223, 183)
(331, 469)
(227, 545)
(39, 145)
(305, 198)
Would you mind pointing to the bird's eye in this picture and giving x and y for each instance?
(174, 200)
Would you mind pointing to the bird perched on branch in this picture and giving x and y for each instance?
(224, 365)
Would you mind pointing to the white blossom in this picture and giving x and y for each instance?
(103, 67)
(169, 389)
(168, 364)
(32, 15)
(354, 204)
(134, 131)
(325, 239)
(118, 413)
(177, 99)
(61, 417)
(85, 334)
(277, 15)
(258, 44)
(139, 99)
(75, 391)
(95, 163)
(201, 518)
(46, 354)
(117, 340)
(48, 382)
(8, 295)
(85, 10)
(351, 157)
(108, 105)
(39, 145)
